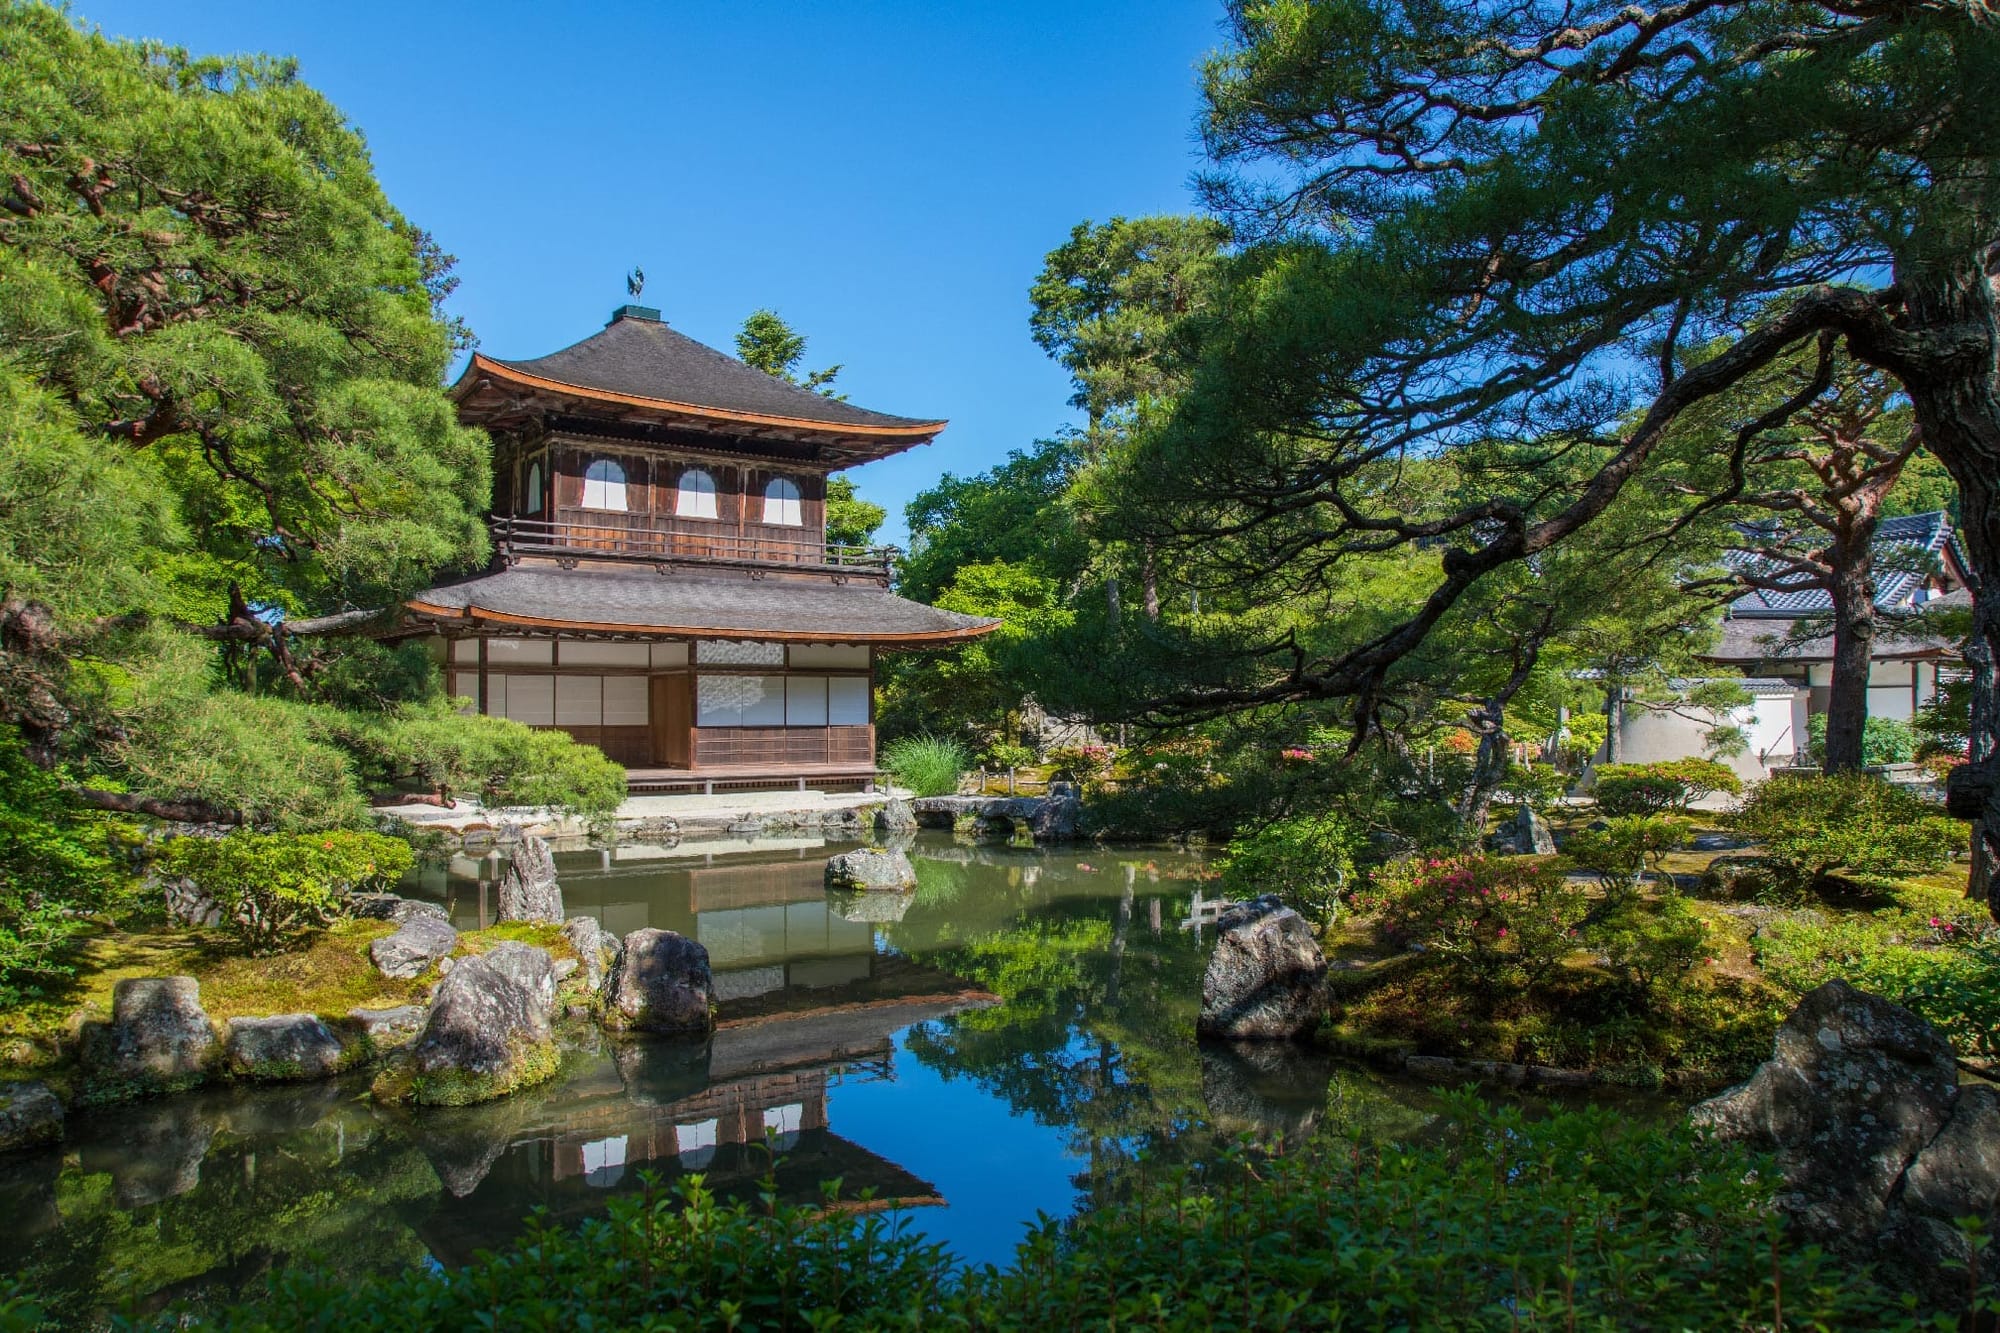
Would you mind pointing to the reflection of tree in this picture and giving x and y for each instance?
(1095, 1028)
(343, 1193)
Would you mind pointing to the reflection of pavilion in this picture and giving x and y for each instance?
(808, 1003)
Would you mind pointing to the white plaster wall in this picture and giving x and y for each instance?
(1769, 721)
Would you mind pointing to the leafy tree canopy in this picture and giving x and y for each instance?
(767, 342)
(224, 431)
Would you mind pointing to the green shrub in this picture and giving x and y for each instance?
(927, 765)
(54, 868)
(1007, 754)
(270, 887)
(1626, 850)
(1651, 789)
(1811, 827)
(1496, 921)
(1536, 785)
(1306, 860)
(1652, 946)
(1957, 988)
(1884, 740)
(1498, 1219)
(494, 760)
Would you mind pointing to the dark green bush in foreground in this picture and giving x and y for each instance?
(1496, 1221)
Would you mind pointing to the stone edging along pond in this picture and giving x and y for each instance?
(486, 1027)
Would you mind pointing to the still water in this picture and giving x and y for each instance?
(995, 1046)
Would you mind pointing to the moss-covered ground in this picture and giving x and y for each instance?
(330, 974)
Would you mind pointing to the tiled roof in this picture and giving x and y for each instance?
(1905, 549)
(1769, 639)
(615, 600)
(639, 357)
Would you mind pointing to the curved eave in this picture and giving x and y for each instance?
(915, 432)
(473, 615)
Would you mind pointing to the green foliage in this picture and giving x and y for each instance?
(1107, 300)
(1623, 852)
(1956, 987)
(1884, 740)
(771, 345)
(1006, 754)
(253, 314)
(1306, 860)
(493, 760)
(1811, 827)
(1641, 789)
(1652, 945)
(55, 868)
(850, 520)
(1497, 922)
(271, 887)
(1499, 1219)
(1541, 786)
(927, 765)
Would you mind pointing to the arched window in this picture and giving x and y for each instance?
(781, 503)
(604, 485)
(696, 496)
(532, 501)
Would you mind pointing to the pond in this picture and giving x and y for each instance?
(998, 1045)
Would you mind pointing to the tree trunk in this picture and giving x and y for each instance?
(1955, 396)
(1614, 713)
(1853, 591)
(1489, 767)
(1150, 586)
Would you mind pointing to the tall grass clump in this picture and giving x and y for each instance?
(927, 765)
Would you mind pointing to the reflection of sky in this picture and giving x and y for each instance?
(996, 1169)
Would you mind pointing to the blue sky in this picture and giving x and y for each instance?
(886, 175)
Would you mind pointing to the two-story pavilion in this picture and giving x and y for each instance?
(662, 585)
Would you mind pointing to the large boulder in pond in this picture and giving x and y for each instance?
(489, 1031)
(1266, 979)
(283, 1047)
(159, 1035)
(421, 940)
(662, 984)
(871, 870)
(30, 1115)
(529, 891)
(1878, 1146)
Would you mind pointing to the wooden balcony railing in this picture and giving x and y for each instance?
(642, 537)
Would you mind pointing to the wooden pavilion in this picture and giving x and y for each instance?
(662, 586)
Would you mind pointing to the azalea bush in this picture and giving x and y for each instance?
(1669, 786)
(1812, 827)
(1085, 762)
(270, 888)
(1496, 921)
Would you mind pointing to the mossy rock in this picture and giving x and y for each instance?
(400, 1081)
